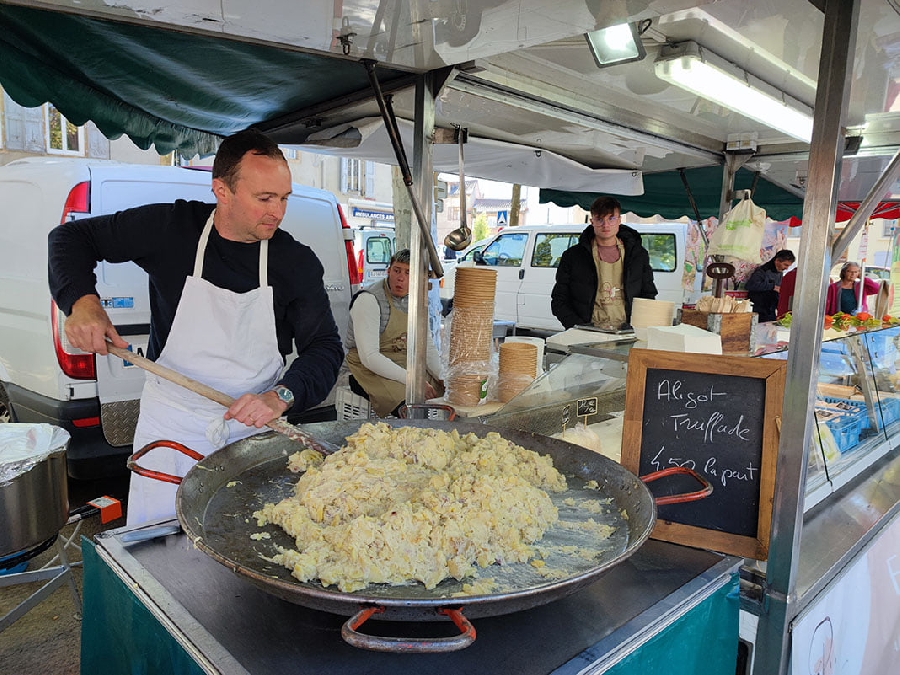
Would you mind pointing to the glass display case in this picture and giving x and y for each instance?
(580, 389)
(857, 406)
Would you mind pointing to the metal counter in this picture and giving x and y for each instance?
(227, 625)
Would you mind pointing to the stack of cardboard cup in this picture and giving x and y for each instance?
(518, 363)
(471, 334)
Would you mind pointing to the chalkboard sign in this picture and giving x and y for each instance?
(716, 415)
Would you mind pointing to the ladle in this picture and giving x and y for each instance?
(280, 425)
(461, 237)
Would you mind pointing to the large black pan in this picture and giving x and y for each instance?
(216, 500)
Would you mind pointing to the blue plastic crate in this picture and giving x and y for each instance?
(890, 409)
(845, 430)
(861, 413)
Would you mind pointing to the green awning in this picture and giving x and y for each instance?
(174, 90)
(664, 194)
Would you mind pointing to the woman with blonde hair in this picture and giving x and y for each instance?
(843, 294)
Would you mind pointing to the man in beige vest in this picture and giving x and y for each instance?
(376, 341)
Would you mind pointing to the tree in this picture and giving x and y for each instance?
(480, 227)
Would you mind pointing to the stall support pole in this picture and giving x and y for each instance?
(733, 162)
(779, 605)
(427, 88)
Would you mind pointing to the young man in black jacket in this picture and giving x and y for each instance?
(600, 276)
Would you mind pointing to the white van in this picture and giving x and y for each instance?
(374, 247)
(526, 257)
(95, 398)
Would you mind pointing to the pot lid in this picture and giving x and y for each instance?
(22, 446)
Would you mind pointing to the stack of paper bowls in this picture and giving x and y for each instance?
(518, 362)
(471, 335)
(539, 344)
(646, 313)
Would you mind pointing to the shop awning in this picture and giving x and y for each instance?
(664, 195)
(175, 90)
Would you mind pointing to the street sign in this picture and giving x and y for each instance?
(502, 218)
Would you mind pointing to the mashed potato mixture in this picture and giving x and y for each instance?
(404, 504)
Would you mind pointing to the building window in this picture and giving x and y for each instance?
(351, 175)
(63, 137)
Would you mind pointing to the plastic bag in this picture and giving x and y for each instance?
(740, 233)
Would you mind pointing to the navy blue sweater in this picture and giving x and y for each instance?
(162, 239)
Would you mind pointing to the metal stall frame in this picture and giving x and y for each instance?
(781, 601)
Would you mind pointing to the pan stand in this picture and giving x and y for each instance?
(53, 576)
(52, 573)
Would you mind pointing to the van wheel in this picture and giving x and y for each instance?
(6, 412)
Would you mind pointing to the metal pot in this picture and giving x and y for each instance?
(34, 504)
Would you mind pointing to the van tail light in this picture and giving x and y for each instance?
(353, 269)
(361, 265)
(74, 362)
(78, 201)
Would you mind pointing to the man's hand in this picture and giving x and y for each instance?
(777, 289)
(256, 410)
(88, 326)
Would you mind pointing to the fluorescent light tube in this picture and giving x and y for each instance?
(696, 70)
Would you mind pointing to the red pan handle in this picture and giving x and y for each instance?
(687, 496)
(408, 645)
(159, 475)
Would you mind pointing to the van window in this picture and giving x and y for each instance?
(378, 250)
(663, 256)
(548, 248)
(507, 250)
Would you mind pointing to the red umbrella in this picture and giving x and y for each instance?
(845, 211)
(886, 210)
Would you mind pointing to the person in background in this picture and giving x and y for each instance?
(376, 342)
(764, 285)
(843, 294)
(786, 292)
(231, 296)
(599, 277)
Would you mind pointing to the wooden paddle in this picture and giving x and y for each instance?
(280, 425)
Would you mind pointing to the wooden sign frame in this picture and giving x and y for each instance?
(773, 372)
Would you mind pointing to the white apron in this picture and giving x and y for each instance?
(224, 339)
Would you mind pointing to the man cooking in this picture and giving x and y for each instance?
(599, 277)
(230, 297)
(376, 341)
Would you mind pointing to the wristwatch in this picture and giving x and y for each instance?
(284, 394)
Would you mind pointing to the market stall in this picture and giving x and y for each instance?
(527, 103)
